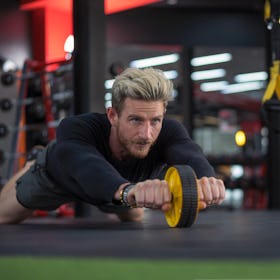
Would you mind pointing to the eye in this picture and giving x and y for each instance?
(156, 121)
(135, 120)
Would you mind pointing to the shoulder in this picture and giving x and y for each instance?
(172, 131)
(172, 126)
(88, 118)
(167, 122)
(84, 125)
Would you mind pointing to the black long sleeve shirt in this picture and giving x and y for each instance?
(81, 162)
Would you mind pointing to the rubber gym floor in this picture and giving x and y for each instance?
(222, 244)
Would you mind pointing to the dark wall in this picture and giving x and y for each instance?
(186, 26)
(15, 39)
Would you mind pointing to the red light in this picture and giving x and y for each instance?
(57, 24)
(110, 6)
(113, 6)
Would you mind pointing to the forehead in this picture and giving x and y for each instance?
(142, 107)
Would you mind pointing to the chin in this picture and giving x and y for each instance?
(139, 154)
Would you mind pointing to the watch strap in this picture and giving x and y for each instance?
(124, 193)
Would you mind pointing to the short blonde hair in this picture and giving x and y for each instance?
(147, 84)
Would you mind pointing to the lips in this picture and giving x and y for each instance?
(143, 143)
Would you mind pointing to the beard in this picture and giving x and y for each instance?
(137, 148)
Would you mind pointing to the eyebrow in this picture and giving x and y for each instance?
(138, 116)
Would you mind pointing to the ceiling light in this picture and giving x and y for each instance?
(254, 76)
(108, 96)
(171, 75)
(69, 44)
(208, 74)
(235, 88)
(154, 61)
(211, 59)
(109, 83)
(213, 86)
(108, 104)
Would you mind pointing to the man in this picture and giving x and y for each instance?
(113, 161)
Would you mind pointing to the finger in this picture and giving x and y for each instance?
(139, 195)
(166, 206)
(149, 194)
(206, 189)
(222, 191)
(166, 203)
(166, 192)
(215, 189)
(162, 194)
(202, 205)
(200, 192)
(218, 190)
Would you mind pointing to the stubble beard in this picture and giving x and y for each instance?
(134, 148)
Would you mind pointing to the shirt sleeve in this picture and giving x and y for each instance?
(78, 156)
(181, 149)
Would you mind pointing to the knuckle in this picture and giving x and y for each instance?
(212, 180)
(204, 180)
(156, 181)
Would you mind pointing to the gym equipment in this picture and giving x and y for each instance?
(6, 104)
(36, 111)
(271, 104)
(8, 79)
(185, 205)
(3, 130)
(2, 157)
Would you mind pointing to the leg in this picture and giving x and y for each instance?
(11, 211)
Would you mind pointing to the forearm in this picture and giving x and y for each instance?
(84, 169)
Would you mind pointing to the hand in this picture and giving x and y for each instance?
(155, 193)
(152, 194)
(211, 191)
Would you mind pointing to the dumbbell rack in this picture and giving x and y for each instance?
(8, 91)
(14, 146)
(13, 140)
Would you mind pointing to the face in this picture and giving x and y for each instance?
(136, 128)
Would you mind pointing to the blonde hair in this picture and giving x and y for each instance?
(147, 84)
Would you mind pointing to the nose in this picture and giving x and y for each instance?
(145, 131)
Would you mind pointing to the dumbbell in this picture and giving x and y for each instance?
(6, 104)
(3, 130)
(36, 111)
(185, 204)
(8, 79)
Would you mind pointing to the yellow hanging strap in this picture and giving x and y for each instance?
(267, 10)
(274, 83)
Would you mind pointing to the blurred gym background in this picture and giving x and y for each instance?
(59, 58)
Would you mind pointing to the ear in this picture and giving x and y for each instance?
(112, 115)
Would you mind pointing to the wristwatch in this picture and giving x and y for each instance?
(124, 193)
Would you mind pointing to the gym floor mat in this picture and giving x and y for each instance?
(217, 234)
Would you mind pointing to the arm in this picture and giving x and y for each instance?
(181, 149)
(178, 148)
(78, 154)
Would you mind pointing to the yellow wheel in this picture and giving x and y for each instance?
(181, 180)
